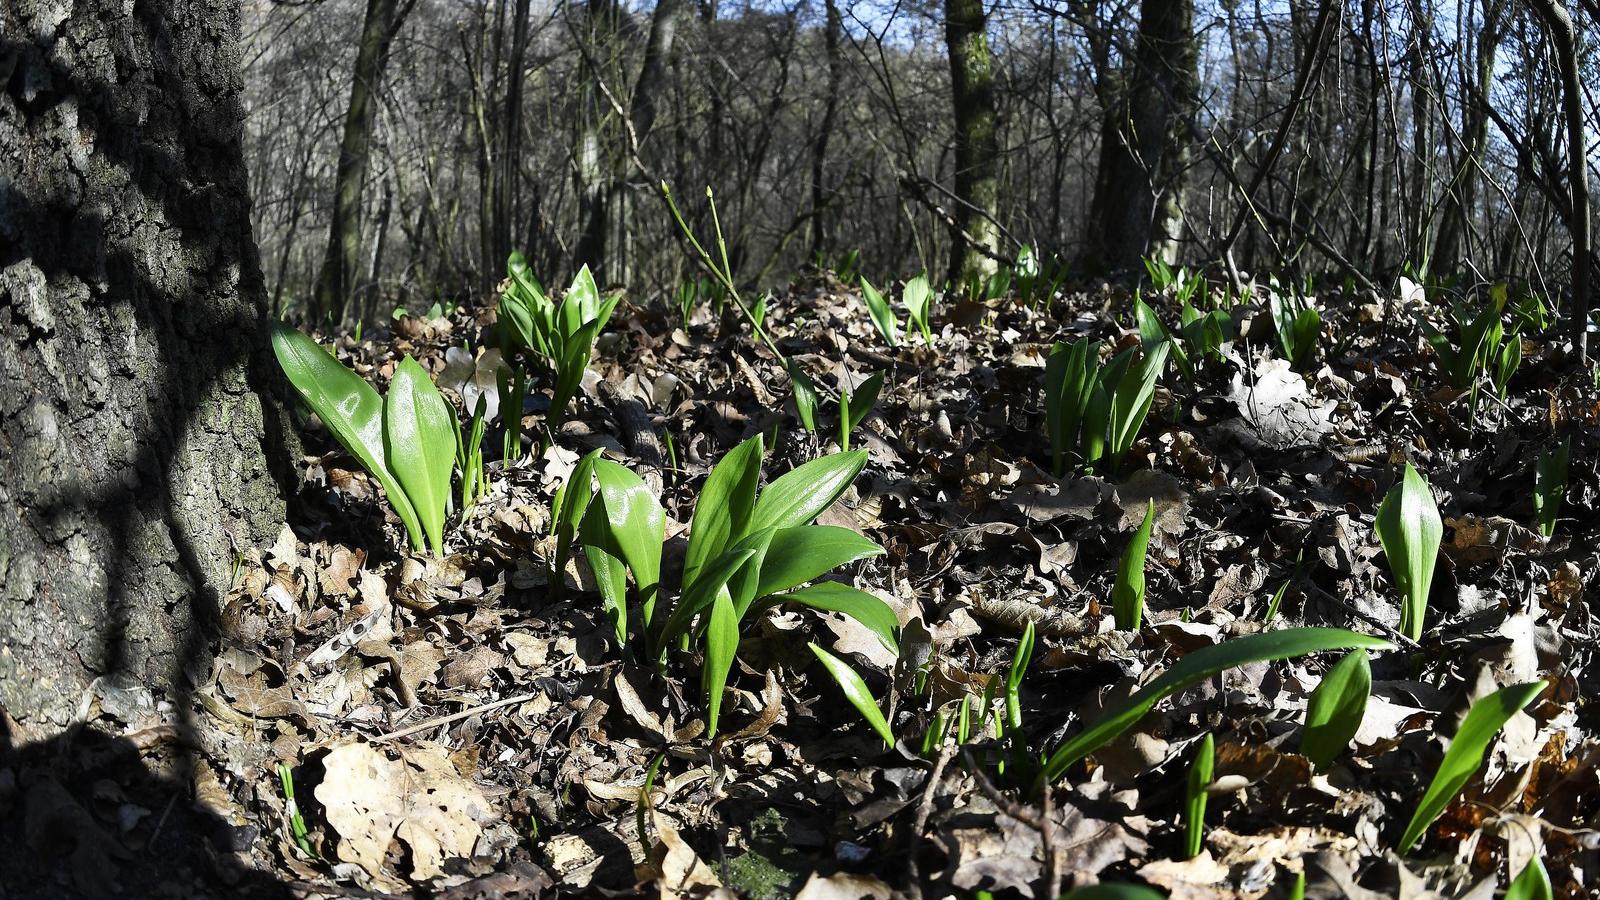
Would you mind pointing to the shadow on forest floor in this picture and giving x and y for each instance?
(84, 815)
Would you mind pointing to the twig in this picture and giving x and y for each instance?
(1003, 803)
(454, 717)
(1052, 859)
(924, 811)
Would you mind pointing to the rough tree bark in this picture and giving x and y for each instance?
(1145, 143)
(140, 438)
(342, 259)
(976, 237)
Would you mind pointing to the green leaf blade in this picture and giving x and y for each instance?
(855, 690)
(1335, 710)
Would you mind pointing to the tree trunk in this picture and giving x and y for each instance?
(341, 263)
(976, 238)
(1455, 220)
(1145, 143)
(832, 34)
(141, 438)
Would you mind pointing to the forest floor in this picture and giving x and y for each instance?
(468, 727)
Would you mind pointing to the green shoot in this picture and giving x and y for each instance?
(918, 297)
(291, 810)
(1336, 708)
(1409, 527)
(1297, 324)
(1127, 596)
(855, 406)
(1194, 819)
(855, 690)
(882, 316)
(1550, 485)
(1533, 883)
(1484, 720)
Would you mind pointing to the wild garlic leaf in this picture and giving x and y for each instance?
(855, 690)
(1200, 773)
(831, 596)
(1408, 526)
(918, 296)
(1127, 596)
(863, 399)
(1192, 669)
(420, 433)
(800, 495)
(349, 407)
(1335, 710)
(1465, 756)
(637, 525)
(1532, 883)
(807, 552)
(722, 643)
(882, 316)
(722, 514)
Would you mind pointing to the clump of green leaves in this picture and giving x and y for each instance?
(1484, 720)
(1094, 411)
(406, 441)
(1337, 705)
(1200, 336)
(1480, 347)
(1037, 280)
(561, 333)
(1297, 323)
(1127, 596)
(748, 552)
(1409, 527)
(1550, 485)
(1192, 669)
(1200, 774)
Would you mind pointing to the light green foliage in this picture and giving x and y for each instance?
(1200, 336)
(1094, 411)
(1484, 720)
(1193, 669)
(1550, 485)
(1037, 280)
(1200, 774)
(855, 406)
(419, 441)
(1182, 284)
(1475, 344)
(806, 399)
(882, 316)
(855, 690)
(748, 551)
(1127, 596)
(1409, 527)
(469, 457)
(1532, 883)
(918, 298)
(562, 333)
(1297, 324)
(291, 810)
(408, 443)
(1336, 708)
(1019, 668)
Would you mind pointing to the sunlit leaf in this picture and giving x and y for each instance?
(855, 690)
(1532, 883)
(419, 430)
(807, 552)
(882, 316)
(722, 642)
(1194, 819)
(1194, 668)
(349, 407)
(801, 494)
(831, 596)
(1409, 527)
(637, 523)
(1335, 710)
(1465, 756)
(722, 513)
(1127, 595)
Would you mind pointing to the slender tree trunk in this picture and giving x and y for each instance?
(143, 442)
(976, 237)
(507, 180)
(1461, 192)
(1558, 22)
(1145, 142)
(590, 173)
(832, 39)
(342, 260)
